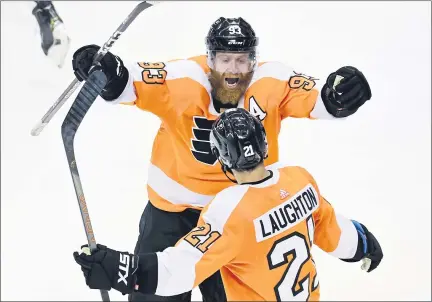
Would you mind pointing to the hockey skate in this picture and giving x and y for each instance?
(55, 40)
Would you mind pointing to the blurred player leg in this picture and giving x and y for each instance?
(55, 41)
(158, 230)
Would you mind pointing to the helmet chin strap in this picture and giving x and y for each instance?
(225, 170)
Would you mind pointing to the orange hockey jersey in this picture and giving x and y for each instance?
(183, 171)
(260, 237)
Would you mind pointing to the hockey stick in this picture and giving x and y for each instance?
(84, 100)
(37, 129)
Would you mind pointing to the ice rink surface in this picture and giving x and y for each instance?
(374, 167)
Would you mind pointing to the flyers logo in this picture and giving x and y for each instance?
(153, 73)
(201, 142)
(302, 81)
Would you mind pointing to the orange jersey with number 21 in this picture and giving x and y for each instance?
(260, 236)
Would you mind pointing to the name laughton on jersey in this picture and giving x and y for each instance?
(286, 215)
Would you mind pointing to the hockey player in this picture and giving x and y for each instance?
(55, 40)
(188, 95)
(259, 233)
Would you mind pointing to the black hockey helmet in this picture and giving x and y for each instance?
(231, 35)
(238, 140)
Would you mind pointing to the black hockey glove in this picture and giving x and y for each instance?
(106, 268)
(117, 74)
(368, 247)
(345, 91)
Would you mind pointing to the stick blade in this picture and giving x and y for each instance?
(81, 105)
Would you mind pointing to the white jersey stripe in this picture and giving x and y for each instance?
(172, 191)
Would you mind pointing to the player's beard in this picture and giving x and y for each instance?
(225, 95)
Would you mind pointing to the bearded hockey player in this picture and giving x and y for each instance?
(55, 40)
(259, 233)
(188, 95)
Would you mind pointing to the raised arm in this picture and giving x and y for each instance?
(341, 95)
(140, 83)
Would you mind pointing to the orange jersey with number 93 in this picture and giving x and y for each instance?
(183, 172)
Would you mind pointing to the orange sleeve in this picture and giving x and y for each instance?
(152, 89)
(334, 233)
(195, 257)
(327, 230)
(300, 97)
(222, 251)
(213, 243)
(148, 89)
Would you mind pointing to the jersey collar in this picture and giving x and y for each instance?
(268, 181)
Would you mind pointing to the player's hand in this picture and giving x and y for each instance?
(372, 250)
(345, 91)
(116, 73)
(106, 268)
(83, 59)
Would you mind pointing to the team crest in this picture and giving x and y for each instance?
(201, 142)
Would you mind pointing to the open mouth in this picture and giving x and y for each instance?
(231, 82)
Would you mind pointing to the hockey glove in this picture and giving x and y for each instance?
(345, 91)
(106, 268)
(117, 74)
(368, 247)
